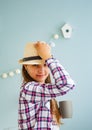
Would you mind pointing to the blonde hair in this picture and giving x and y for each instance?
(53, 103)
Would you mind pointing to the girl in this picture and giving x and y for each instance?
(38, 109)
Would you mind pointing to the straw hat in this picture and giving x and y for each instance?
(30, 55)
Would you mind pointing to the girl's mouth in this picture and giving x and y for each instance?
(40, 75)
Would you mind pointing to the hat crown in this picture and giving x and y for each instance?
(31, 55)
(30, 50)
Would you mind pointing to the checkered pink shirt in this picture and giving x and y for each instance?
(34, 100)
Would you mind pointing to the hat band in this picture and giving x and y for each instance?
(32, 58)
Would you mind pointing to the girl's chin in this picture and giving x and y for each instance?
(41, 80)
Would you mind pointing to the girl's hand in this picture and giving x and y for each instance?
(44, 50)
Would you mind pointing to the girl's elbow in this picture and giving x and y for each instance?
(70, 84)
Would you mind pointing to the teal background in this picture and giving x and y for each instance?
(22, 21)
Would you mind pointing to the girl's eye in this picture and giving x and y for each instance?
(35, 65)
(45, 65)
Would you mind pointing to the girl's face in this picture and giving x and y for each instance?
(39, 72)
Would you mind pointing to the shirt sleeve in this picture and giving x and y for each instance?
(35, 92)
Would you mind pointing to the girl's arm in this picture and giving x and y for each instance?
(35, 92)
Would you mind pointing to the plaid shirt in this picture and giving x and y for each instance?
(34, 100)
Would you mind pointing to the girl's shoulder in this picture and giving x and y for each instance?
(29, 85)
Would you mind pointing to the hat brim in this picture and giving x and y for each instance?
(31, 62)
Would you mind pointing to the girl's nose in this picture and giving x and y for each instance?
(41, 68)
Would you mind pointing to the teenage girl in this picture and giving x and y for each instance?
(38, 109)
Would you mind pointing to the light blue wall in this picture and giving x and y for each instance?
(22, 21)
